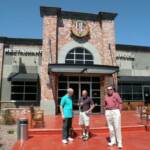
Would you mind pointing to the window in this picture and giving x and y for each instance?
(130, 92)
(79, 56)
(24, 91)
(78, 83)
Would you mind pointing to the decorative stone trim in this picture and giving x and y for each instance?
(64, 51)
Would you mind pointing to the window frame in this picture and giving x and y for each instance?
(132, 93)
(24, 93)
(82, 54)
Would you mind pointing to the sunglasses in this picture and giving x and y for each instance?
(109, 89)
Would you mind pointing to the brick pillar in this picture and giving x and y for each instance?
(109, 49)
(1, 64)
(49, 56)
(106, 80)
(108, 29)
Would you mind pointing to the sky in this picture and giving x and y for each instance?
(21, 18)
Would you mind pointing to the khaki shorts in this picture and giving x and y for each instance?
(84, 119)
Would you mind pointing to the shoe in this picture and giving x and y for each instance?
(86, 137)
(111, 144)
(82, 136)
(120, 146)
(70, 139)
(64, 141)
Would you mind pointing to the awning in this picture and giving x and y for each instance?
(23, 77)
(134, 79)
(74, 68)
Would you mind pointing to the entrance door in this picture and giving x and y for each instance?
(75, 87)
(85, 86)
(147, 95)
(78, 88)
(80, 83)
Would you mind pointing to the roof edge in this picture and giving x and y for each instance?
(21, 41)
(107, 15)
(47, 11)
(131, 47)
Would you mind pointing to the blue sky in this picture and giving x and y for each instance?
(21, 18)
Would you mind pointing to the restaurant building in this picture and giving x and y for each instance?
(78, 50)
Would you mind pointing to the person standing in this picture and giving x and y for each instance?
(86, 105)
(66, 108)
(113, 106)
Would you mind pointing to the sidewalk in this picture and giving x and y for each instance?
(135, 137)
(131, 140)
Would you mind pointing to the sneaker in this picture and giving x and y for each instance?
(111, 144)
(82, 136)
(86, 137)
(120, 146)
(70, 139)
(64, 141)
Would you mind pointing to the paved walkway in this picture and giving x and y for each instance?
(135, 137)
(131, 140)
(129, 118)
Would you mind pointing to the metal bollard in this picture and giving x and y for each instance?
(22, 129)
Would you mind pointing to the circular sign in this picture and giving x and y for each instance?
(80, 28)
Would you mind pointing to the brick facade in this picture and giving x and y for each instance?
(102, 33)
(48, 55)
(57, 33)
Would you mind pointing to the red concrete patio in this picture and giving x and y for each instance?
(53, 124)
(135, 136)
(129, 118)
(131, 141)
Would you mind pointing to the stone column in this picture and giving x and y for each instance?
(49, 56)
(109, 46)
(106, 81)
(109, 51)
(108, 38)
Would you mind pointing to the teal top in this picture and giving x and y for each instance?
(66, 103)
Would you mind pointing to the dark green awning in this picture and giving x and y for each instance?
(134, 79)
(23, 77)
(75, 68)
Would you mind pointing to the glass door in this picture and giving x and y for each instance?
(75, 97)
(146, 95)
(80, 83)
(85, 86)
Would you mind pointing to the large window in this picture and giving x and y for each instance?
(130, 92)
(79, 83)
(79, 56)
(24, 91)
